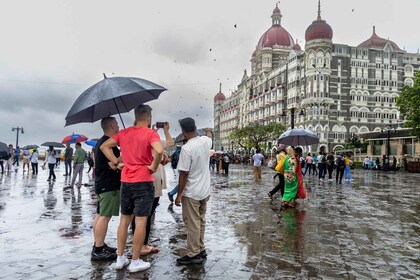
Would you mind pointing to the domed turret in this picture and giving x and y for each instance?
(219, 96)
(319, 29)
(376, 42)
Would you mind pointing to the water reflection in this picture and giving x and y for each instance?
(76, 228)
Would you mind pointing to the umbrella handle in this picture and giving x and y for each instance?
(118, 111)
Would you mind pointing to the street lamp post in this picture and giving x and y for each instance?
(388, 129)
(17, 129)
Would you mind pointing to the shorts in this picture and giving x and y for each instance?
(108, 203)
(26, 161)
(137, 198)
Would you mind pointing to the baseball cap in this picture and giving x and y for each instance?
(187, 124)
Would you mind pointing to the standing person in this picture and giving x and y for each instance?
(26, 154)
(194, 189)
(226, 162)
(330, 165)
(394, 163)
(34, 161)
(279, 168)
(174, 165)
(320, 166)
(137, 190)
(68, 155)
(78, 165)
(1, 163)
(290, 178)
(341, 166)
(347, 173)
(366, 162)
(107, 189)
(51, 160)
(17, 156)
(258, 160)
(301, 193)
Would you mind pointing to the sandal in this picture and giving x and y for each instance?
(153, 250)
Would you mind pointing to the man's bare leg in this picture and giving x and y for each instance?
(122, 233)
(139, 235)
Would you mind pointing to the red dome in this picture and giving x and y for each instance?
(319, 29)
(219, 97)
(297, 47)
(376, 42)
(276, 35)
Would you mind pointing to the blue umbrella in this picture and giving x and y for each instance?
(112, 96)
(91, 142)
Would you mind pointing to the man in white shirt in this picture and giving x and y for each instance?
(258, 160)
(194, 189)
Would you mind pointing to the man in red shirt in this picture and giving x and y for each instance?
(137, 191)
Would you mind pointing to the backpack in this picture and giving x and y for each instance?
(341, 163)
(175, 158)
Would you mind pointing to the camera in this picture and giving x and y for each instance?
(160, 124)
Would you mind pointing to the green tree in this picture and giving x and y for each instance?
(355, 143)
(409, 105)
(256, 136)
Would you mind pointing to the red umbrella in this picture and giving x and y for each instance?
(74, 138)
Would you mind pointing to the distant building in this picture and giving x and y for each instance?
(330, 88)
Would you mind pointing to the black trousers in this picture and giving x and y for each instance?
(330, 171)
(339, 173)
(2, 167)
(279, 186)
(51, 168)
(34, 168)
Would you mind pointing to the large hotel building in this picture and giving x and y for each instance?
(330, 88)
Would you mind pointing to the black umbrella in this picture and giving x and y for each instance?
(181, 137)
(54, 144)
(30, 147)
(298, 137)
(112, 96)
(4, 150)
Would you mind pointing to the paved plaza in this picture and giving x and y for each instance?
(365, 229)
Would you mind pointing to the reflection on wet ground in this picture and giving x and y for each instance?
(365, 229)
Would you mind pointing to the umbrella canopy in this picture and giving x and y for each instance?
(91, 142)
(112, 96)
(30, 147)
(298, 137)
(74, 138)
(181, 137)
(4, 147)
(54, 144)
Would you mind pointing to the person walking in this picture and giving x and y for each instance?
(341, 166)
(320, 166)
(26, 154)
(107, 189)
(8, 165)
(34, 161)
(290, 178)
(51, 160)
(330, 165)
(91, 161)
(347, 173)
(308, 161)
(78, 165)
(314, 164)
(137, 191)
(17, 157)
(194, 190)
(225, 164)
(258, 160)
(279, 168)
(68, 155)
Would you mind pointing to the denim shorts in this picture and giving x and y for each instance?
(137, 198)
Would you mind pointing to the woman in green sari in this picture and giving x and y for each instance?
(291, 180)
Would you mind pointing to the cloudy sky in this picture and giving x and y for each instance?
(52, 50)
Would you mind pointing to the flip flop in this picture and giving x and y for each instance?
(153, 250)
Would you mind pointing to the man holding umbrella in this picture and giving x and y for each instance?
(137, 191)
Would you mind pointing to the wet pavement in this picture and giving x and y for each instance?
(365, 229)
